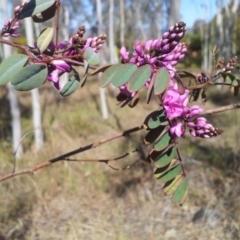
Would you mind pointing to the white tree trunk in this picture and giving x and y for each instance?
(174, 12)
(122, 22)
(36, 106)
(14, 107)
(104, 107)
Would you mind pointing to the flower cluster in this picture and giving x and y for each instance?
(158, 53)
(167, 52)
(70, 50)
(10, 27)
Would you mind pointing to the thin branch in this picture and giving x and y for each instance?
(65, 156)
(221, 109)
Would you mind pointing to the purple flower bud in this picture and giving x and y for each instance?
(124, 54)
(191, 125)
(168, 57)
(173, 35)
(180, 35)
(166, 48)
(156, 44)
(6, 34)
(152, 60)
(164, 42)
(148, 45)
(138, 49)
(174, 63)
(166, 35)
(15, 35)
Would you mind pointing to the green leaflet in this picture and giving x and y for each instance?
(10, 66)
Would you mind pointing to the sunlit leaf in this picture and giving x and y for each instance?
(33, 7)
(45, 15)
(160, 171)
(139, 78)
(155, 119)
(107, 76)
(10, 66)
(163, 158)
(180, 193)
(91, 56)
(161, 81)
(171, 186)
(171, 173)
(163, 142)
(29, 77)
(71, 86)
(123, 74)
(45, 38)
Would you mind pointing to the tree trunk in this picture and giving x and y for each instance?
(14, 107)
(104, 107)
(36, 106)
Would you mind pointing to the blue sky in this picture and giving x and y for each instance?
(192, 10)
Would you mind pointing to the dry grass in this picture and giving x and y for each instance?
(91, 201)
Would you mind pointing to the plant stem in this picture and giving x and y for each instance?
(65, 156)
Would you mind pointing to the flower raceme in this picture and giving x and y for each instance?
(166, 53)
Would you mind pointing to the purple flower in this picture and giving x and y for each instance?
(177, 129)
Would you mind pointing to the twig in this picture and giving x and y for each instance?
(221, 109)
(65, 156)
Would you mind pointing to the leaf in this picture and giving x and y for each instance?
(171, 173)
(181, 192)
(155, 119)
(45, 15)
(107, 76)
(181, 88)
(123, 74)
(10, 66)
(231, 76)
(163, 158)
(134, 101)
(150, 91)
(160, 171)
(101, 69)
(153, 134)
(86, 67)
(91, 56)
(171, 186)
(139, 78)
(183, 74)
(45, 38)
(71, 86)
(161, 81)
(33, 7)
(29, 77)
(163, 142)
